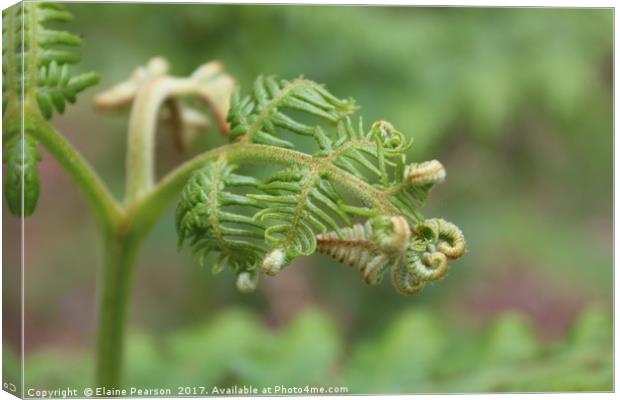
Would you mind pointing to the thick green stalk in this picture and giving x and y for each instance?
(119, 254)
(119, 249)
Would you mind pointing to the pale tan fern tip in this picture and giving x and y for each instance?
(209, 83)
(425, 173)
(121, 96)
(273, 262)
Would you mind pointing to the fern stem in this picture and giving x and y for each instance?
(142, 129)
(115, 292)
(146, 212)
(107, 210)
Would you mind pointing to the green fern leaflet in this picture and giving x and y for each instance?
(44, 54)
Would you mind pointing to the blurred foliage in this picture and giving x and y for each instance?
(416, 353)
(431, 68)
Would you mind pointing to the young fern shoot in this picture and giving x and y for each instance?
(311, 202)
(353, 196)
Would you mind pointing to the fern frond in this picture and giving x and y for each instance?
(45, 53)
(21, 158)
(257, 118)
(299, 204)
(210, 215)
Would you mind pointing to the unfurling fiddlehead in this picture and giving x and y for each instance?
(426, 257)
(21, 157)
(311, 203)
(448, 237)
(35, 60)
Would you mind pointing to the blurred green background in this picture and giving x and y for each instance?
(516, 103)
